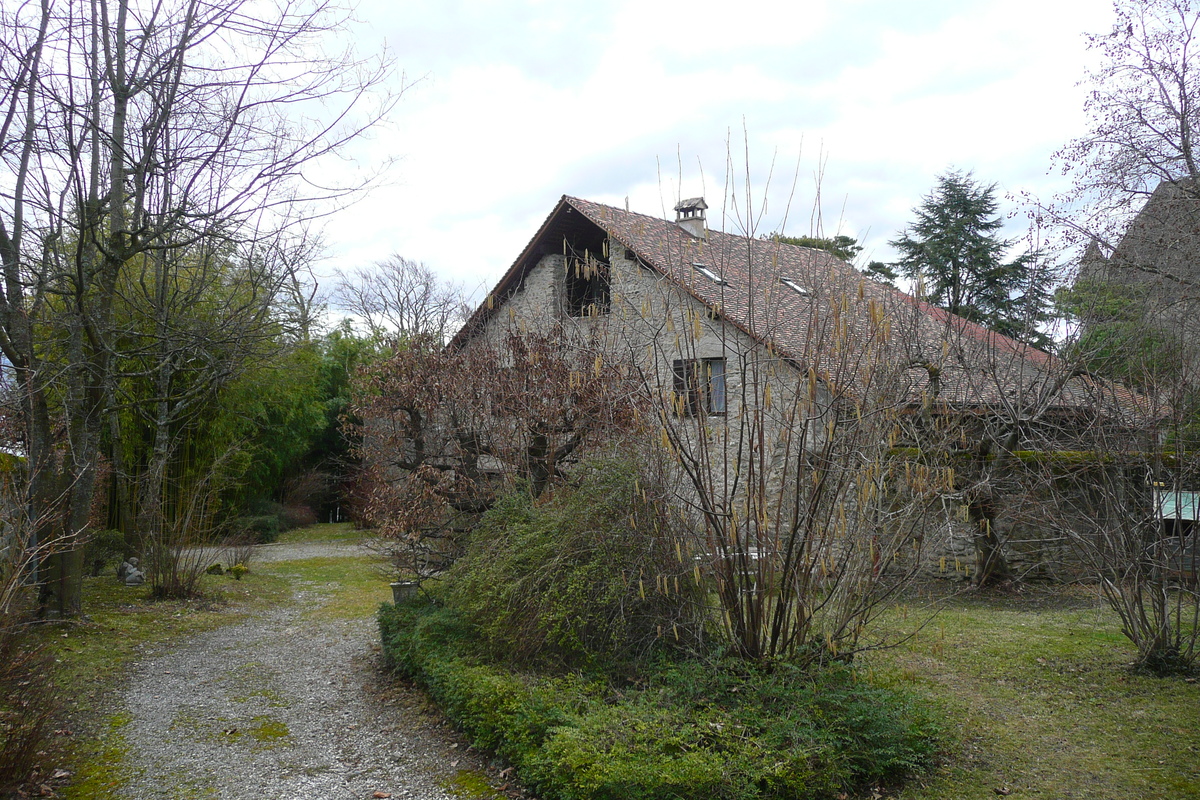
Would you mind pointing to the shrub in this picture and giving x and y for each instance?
(263, 529)
(726, 730)
(590, 576)
(102, 547)
(27, 703)
(296, 516)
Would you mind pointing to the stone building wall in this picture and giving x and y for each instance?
(651, 322)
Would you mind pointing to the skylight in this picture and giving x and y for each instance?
(795, 286)
(709, 273)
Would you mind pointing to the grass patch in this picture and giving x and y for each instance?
(350, 587)
(104, 774)
(324, 532)
(1039, 695)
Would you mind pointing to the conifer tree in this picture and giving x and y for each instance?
(954, 251)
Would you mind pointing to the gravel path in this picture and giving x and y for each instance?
(282, 706)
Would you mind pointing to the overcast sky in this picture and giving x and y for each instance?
(516, 103)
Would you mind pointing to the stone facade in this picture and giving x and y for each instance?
(793, 328)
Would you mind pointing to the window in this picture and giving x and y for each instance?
(1179, 510)
(699, 386)
(709, 273)
(795, 286)
(587, 286)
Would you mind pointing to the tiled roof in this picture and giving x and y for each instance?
(974, 366)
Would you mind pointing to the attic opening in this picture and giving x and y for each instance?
(587, 279)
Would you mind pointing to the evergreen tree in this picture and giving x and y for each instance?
(847, 249)
(884, 273)
(953, 249)
(844, 247)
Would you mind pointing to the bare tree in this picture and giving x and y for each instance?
(779, 423)
(400, 297)
(1134, 207)
(134, 130)
(1144, 117)
(446, 430)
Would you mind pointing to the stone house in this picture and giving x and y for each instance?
(1156, 263)
(762, 353)
(1150, 282)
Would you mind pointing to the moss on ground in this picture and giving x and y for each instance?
(349, 588)
(470, 784)
(104, 773)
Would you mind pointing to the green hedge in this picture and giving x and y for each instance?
(692, 730)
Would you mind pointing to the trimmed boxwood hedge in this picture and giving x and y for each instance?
(689, 730)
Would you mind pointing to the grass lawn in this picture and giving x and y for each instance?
(324, 532)
(1040, 702)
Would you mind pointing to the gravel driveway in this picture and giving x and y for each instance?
(282, 706)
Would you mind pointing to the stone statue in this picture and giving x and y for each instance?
(129, 572)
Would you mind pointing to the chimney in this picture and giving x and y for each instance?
(689, 215)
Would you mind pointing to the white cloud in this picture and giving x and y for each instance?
(526, 101)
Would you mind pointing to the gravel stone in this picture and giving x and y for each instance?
(284, 707)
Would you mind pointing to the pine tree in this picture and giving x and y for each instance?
(954, 252)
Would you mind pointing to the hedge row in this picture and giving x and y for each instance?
(690, 730)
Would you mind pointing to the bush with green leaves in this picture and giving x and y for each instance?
(103, 547)
(728, 729)
(262, 529)
(589, 576)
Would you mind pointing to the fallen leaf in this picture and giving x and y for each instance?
(60, 773)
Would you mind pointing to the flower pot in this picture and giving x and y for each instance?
(403, 591)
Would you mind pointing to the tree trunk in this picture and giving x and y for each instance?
(991, 565)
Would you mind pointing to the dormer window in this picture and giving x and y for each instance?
(709, 273)
(795, 286)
